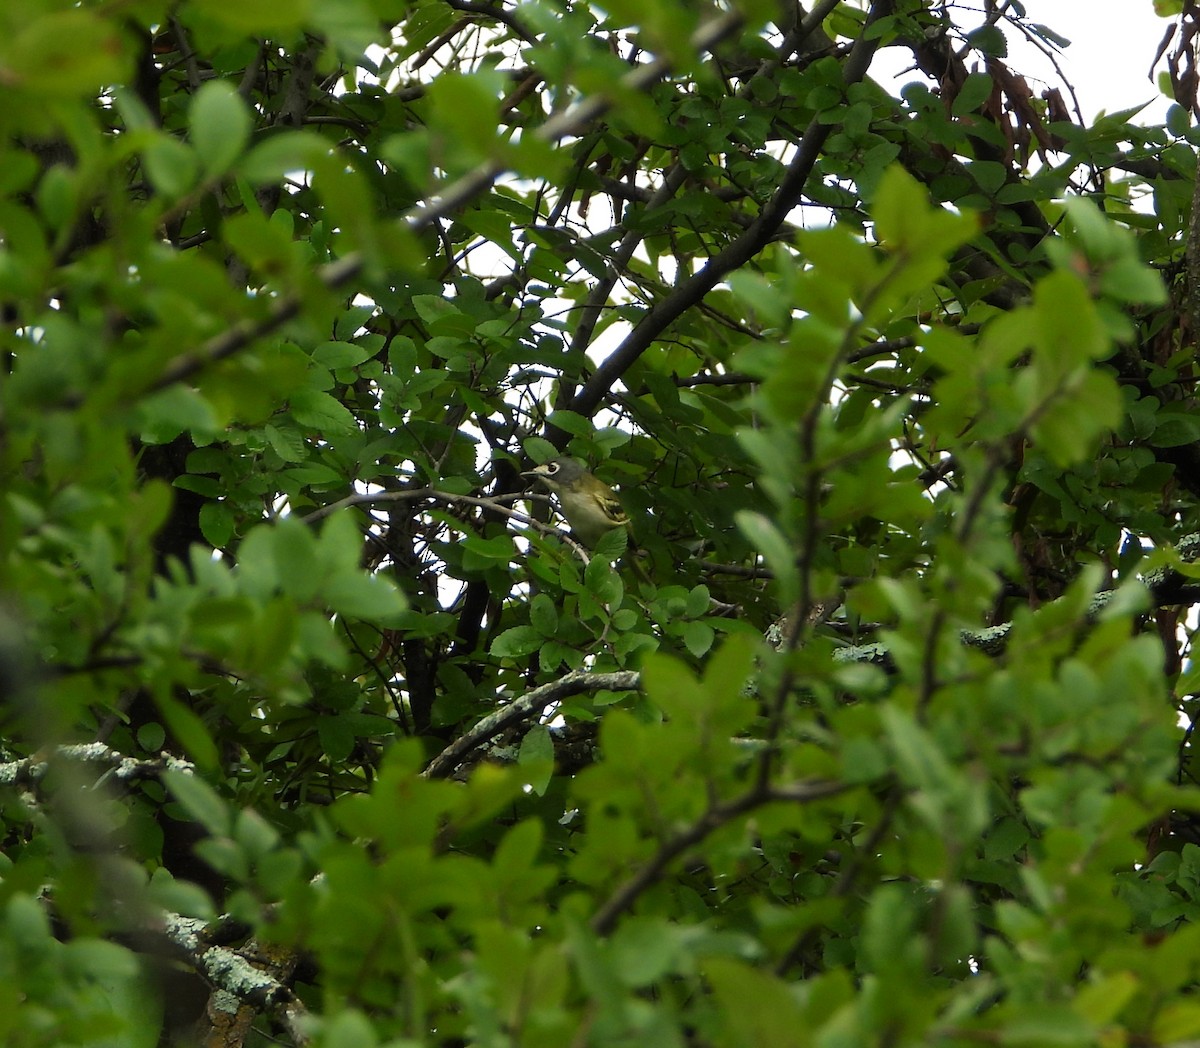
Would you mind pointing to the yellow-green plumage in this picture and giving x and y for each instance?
(589, 505)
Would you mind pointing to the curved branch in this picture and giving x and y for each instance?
(531, 704)
(496, 12)
(717, 815)
(372, 498)
(673, 180)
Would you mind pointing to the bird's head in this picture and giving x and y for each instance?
(558, 473)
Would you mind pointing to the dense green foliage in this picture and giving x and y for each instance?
(318, 728)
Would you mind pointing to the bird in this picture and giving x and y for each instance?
(590, 506)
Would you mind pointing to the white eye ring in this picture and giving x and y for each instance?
(551, 468)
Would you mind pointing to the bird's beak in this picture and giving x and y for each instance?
(537, 471)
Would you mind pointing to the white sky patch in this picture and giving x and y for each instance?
(1112, 45)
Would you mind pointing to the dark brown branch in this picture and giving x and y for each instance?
(730, 378)
(495, 12)
(718, 815)
(673, 180)
(738, 252)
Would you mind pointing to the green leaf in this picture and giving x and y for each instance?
(220, 126)
(481, 554)
(612, 544)
(173, 167)
(151, 737)
(321, 412)
(602, 582)
(517, 642)
(352, 26)
(1174, 429)
(572, 423)
(466, 109)
(283, 153)
(217, 521)
(730, 668)
(368, 598)
(441, 315)
(975, 89)
(536, 757)
(698, 637)
(335, 355)
(340, 544)
(1069, 331)
(26, 923)
(348, 1028)
(775, 548)
(1178, 1022)
(200, 801)
(1048, 1025)
(668, 683)
(1070, 430)
(988, 40)
(190, 731)
(337, 738)
(921, 762)
(65, 53)
(644, 949)
(165, 415)
(774, 1018)
(907, 223)
(1050, 36)
(543, 615)
(538, 449)
(261, 18)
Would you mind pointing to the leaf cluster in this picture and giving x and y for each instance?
(874, 729)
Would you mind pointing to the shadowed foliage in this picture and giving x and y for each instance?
(320, 728)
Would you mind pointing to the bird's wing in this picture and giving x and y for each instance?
(612, 510)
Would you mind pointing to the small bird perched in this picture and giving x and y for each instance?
(590, 506)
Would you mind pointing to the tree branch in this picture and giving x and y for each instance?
(717, 815)
(739, 251)
(531, 704)
(29, 770)
(1166, 586)
(228, 970)
(344, 270)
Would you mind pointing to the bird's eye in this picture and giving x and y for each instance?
(551, 468)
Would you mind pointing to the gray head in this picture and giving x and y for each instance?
(559, 472)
